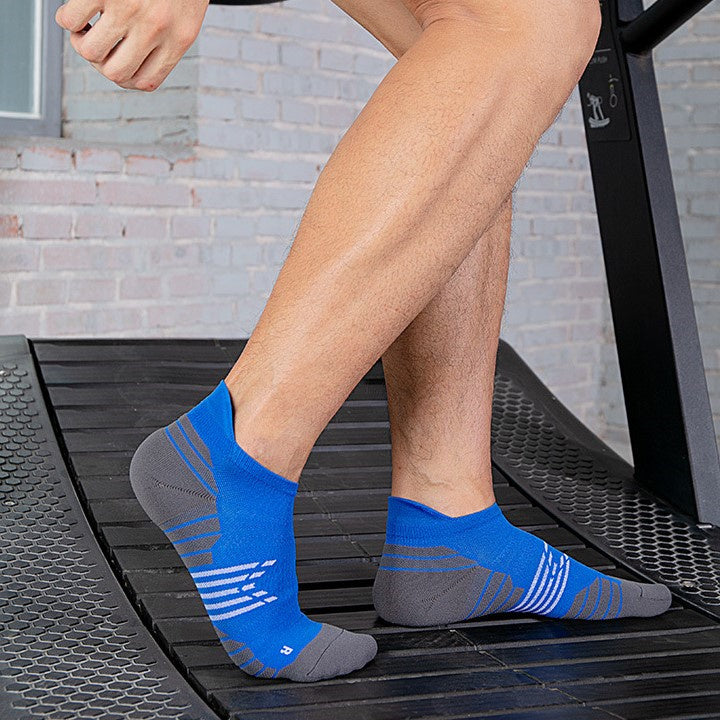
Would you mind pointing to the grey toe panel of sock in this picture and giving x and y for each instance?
(331, 653)
(644, 599)
(601, 600)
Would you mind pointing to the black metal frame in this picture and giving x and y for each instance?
(663, 378)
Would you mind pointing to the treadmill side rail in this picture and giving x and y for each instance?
(663, 378)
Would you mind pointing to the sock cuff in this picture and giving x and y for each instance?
(213, 420)
(411, 520)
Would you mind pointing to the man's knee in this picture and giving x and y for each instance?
(565, 31)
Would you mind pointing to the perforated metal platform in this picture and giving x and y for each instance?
(72, 646)
(107, 395)
(557, 461)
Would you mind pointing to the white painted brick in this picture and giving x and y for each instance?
(217, 45)
(336, 59)
(146, 226)
(189, 226)
(263, 51)
(41, 291)
(93, 290)
(229, 76)
(260, 108)
(98, 160)
(218, 196)
(19, 256)
(336, 115)
(378, 66)
(234, 226)
(139, 287)
(98, 225)
(44, 226)
(216, 106)
(8, 157)
(231, 18)
(21, 321)
(297, 55)
(9, 226)
(46, 157)
(297, 111)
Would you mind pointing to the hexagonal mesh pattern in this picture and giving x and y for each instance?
(562, 474)
(71, 647)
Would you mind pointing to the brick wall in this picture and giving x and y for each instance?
(170, 213)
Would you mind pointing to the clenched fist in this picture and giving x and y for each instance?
(134, 43)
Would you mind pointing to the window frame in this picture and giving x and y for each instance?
(50, 48)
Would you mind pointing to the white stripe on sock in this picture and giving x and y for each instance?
(224, 571)
(228, 603)
(531, 597)
(558, 579)
(532, 586)
(233, 613)
(548, 586)
(219, 593)
(562, 588)
(224, 581)
(549, 590)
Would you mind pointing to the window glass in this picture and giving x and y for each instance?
(19, 57)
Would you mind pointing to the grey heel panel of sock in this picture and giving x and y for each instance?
(167, 486)
(331, 653)
(421, 587)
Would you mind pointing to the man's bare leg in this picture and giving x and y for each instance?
(413, 184)
(389, 224)
(439, 372)
(439, 375)
(450, 554)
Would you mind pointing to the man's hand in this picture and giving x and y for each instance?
(134, 43)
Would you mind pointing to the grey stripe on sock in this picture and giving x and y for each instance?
(268, 672)
(242, 657)
(417, 551)
(492, 587)
(427, 563)
(189, 516)
(191, 546)
(253, 667)
(592, 599)
(501, 596)
(513, 599)
(196, 560)
(615, 602)
(191, 456)
(196, 440)
(231, 645)
(577, 603)
(604, 599)
(197, 528)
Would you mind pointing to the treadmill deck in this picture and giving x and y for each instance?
(101, 616)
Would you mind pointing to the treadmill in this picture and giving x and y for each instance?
(99, 617)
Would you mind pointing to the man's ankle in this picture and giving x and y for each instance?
(461, 495)
(278, 443)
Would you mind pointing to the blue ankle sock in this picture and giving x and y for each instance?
(230, 519)
(437, 569)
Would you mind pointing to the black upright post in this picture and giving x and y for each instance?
(663, 379)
